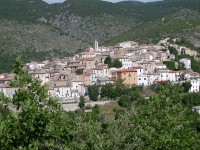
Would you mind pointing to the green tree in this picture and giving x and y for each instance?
(82, 102)
(107, 90)
(79, 71)
(163, 122)
(186, 86)
(116, 63)
(108, 60)
(39, 122)
(181, 66)
(170, 64)
(120, 88)
(124, 101)
(93, 92)
(191, 99)
(173, 50)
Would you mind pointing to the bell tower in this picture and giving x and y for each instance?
(96, 45)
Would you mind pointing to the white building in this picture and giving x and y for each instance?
(160, 66)
(104, 80)
(7, 90)
(97, 72)
(62, 91)
(196, 109)
(136, 51)
(128, 44)
(42, 75)
(139, 69)
(82, 89)
(152, 78)
(87, 54)
(103, 49)
(35, 65)
(164, 75)
(186, 62)
(143, 80)
(195, 85)
(75, 84)
(126, 62)
(172, 76)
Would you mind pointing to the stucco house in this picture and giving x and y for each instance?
(129, 76)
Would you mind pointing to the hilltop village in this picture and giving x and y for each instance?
(68, 78)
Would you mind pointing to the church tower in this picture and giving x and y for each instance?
(96, 45)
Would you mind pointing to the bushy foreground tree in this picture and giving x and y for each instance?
(39, 122)
(164, 123)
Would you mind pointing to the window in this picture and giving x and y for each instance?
(139, 78)
(144, 78)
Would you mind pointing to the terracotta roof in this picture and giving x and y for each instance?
(159, 81)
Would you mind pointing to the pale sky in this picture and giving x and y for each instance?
(60, 1)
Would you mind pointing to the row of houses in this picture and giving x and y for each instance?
(69, 77)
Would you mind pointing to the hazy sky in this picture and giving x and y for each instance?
(58, 1)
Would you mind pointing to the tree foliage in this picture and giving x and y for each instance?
(107, 90)
(39, 123)
(181, 66)
(191, 99)
(170, 65)
(82, 102)
(115, 64)
(162, 122)
(108, 60)
(173, 50)
(79, 71)
(186, 86)
(93, 92)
